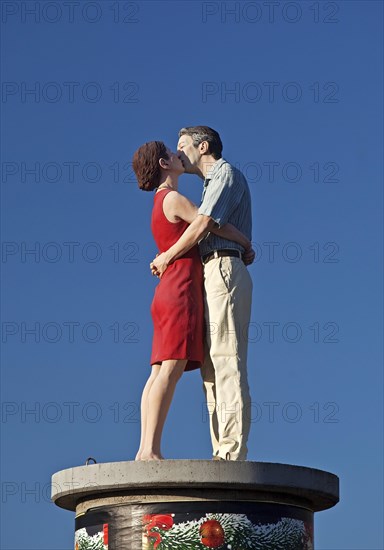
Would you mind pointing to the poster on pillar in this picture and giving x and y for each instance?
(197, 525)
(261, 527)
(92, 537)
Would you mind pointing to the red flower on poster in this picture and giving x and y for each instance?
(162, 521)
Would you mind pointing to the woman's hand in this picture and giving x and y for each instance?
(159, 265)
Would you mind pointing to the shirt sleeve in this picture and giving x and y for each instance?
(222, 196)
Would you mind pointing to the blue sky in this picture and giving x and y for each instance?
(295, 93)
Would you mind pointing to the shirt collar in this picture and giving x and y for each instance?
(214, 168)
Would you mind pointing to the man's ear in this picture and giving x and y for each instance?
(204, 147)
(163, 163)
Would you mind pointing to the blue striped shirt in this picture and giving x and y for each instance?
(226, 199)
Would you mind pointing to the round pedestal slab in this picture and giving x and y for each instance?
(197, 504)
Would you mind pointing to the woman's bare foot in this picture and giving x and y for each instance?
(151, 456)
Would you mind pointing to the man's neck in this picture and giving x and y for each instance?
(205, 165)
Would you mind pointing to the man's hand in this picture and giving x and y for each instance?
(159, 265)
(249, 256)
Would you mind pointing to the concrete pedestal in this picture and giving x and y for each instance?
(194, 504)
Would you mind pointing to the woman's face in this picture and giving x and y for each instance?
(174, 162)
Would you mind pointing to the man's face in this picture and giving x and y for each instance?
(188, 154)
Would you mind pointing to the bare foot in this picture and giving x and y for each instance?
(151, 456)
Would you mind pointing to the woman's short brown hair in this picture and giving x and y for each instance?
(145, 163)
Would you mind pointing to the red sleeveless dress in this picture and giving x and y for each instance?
(177, 308)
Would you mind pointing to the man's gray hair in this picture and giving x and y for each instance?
(204, 133)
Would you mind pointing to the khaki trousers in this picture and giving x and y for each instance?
(228, 297)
